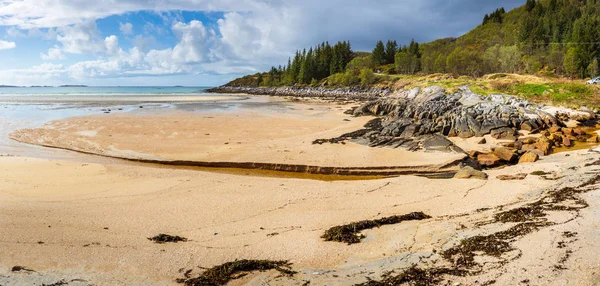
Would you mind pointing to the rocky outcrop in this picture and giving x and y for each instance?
(421, 119)
(349, 93)
(463, 114)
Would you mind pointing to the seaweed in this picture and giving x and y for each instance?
(18, 268)
(165, 238)
(522, 214)
(540, 173)
(496, 244)
(416, 276)
(348, 233)
(222, 274)
(59, 283)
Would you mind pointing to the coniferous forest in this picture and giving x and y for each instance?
(548, 37)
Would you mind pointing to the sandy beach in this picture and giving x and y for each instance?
(87, 222)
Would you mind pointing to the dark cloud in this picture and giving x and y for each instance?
(365, 22)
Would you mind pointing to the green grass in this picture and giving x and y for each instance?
(555, 92)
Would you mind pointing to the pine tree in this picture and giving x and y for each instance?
(379, 54)
(390, 51)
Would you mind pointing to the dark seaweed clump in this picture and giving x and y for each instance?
(222, 274)
(348, 233)
(165, 238)
(416, 276)
(522, 214)
(18, 268)
(496, 244)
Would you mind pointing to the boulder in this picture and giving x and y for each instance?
(468, 172)
(529, 140)
(554, 129)
(504, 133)
(474, 153)
(518, 177)
(594, 139)
(555, 137)
(544, 144)
(506, 154)
(529, 157)
(567, 142)
(488, 160)
(482, 141)
(528, 147)
(568, 131)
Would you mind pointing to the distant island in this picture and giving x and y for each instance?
(1, 86)
(70, 85)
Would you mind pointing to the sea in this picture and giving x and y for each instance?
(29, 107)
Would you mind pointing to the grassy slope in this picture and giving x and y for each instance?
(538, 89)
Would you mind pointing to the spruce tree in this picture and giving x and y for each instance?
(390, 52)
(379, 54)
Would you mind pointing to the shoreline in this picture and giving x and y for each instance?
(349, 93)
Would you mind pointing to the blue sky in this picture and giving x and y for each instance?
(203, 42)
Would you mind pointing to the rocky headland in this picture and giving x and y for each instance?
(346, 93)
(428, 118)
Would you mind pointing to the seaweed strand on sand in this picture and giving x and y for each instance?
(349, 233)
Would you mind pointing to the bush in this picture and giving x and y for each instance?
(367, 77)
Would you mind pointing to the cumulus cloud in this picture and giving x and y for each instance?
(53, 54)
(111, 43)
(126, 29)
(82, 38)
(4, 45)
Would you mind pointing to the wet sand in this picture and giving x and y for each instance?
(88, 223)
(258, 136)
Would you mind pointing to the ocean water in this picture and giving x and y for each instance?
(115, 91)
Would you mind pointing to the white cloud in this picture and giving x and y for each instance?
(126, 29)
(194, 42)
(53, 54)
(112, 45)
(28, 14)
(82, 38)
(4, 45)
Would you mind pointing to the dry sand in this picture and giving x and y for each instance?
(87, 223)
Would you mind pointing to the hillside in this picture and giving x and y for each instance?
(552, 38)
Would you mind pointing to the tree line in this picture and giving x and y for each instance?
(559, 37)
